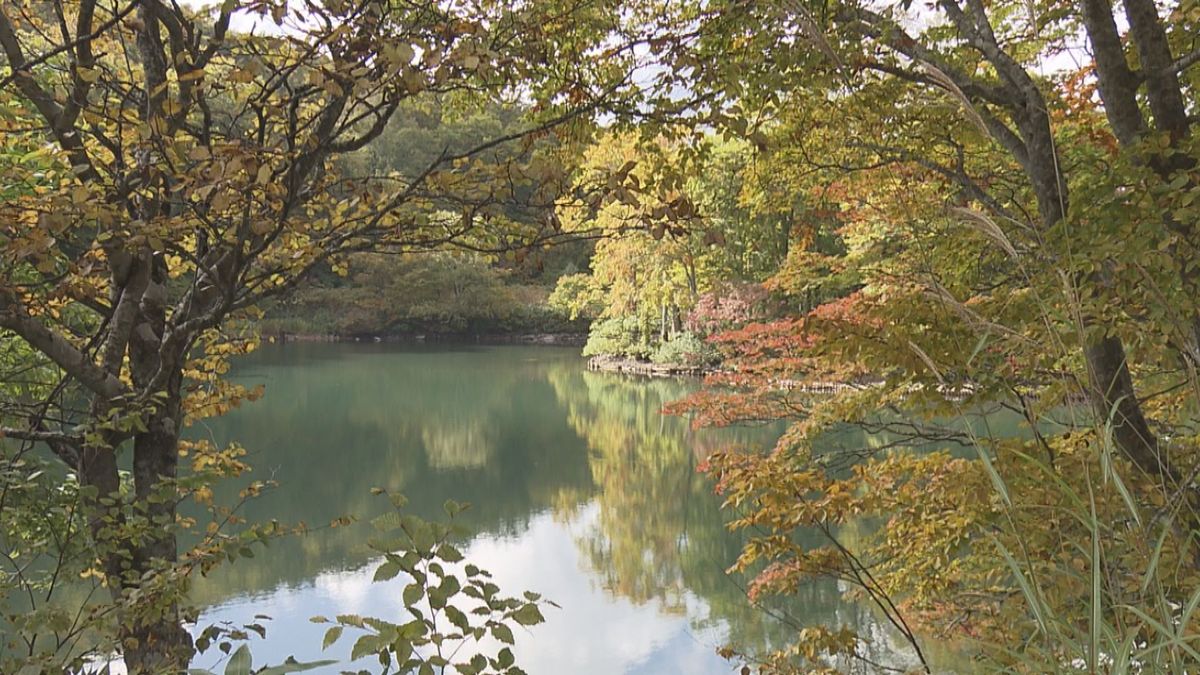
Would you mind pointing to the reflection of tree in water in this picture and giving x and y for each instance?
(660, 534)
(461, 444)
(516, 433)
(644, 480)
(474, 425)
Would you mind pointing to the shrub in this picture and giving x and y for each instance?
(617, 337)
(577, 296)
(729, 306)
(686, 349)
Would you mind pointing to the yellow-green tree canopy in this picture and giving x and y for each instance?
(166, 168)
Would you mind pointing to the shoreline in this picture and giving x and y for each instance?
(607, 363)
(621, 364)
(551, 339)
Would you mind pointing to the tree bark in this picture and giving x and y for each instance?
(1111, 386)
(160, 643)
(1115, 401)
(1119, 86)
(99, 475)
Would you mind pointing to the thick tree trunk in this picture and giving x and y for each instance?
(157, 647)
(150, 630)
(160, 642)
(99, 476)
(1119, 85)
(1117, 405)
(1111, 386)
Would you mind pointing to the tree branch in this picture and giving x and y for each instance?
(1154, 52)
(53, 113)
(38, 436)
(1117, 82)
(58, 349)
(79, 39)
(1184, 62)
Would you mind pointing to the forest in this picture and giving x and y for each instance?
(872, 229)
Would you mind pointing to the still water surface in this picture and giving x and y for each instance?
(580, 490)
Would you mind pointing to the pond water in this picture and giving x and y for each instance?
(580, 490)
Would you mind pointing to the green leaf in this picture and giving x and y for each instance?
(413, 630)
(331, 636)
(292, 666)
(457, 618)
(240, 662)
(351, 620)
(367, 644)
(403, 649)
(449, 553)
(450, 586)
(528, 615)
(437, 597)
(387, 570)
(387, 522)
(503, 633)
(413, 594)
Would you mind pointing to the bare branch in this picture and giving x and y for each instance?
(38, 436)
(1184, 62)
(58, 349)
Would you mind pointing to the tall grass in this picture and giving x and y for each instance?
(1139, 614)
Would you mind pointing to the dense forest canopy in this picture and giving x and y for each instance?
(462, 293)
(883, 216)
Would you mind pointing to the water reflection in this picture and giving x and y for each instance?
(660, 535)
(581, 491)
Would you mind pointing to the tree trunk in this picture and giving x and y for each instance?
(154, 647)
(1116, 403)
(160, 642)
(102, 502)
(150, 631)
(1111, 387)
(1119, 85)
